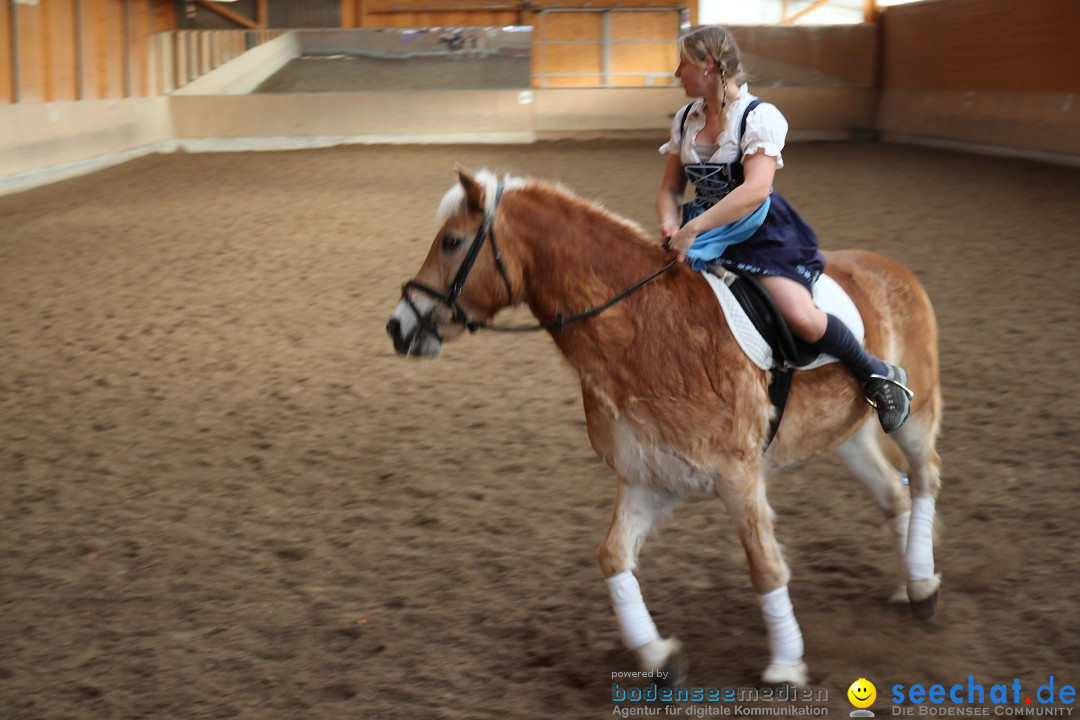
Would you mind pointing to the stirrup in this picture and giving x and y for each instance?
(907, 391)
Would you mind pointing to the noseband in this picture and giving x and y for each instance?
(449, 298)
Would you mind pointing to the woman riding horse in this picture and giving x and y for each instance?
(671, 401)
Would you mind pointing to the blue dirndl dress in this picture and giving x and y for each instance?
(773, 240)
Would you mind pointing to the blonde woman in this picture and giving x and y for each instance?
(728, 144)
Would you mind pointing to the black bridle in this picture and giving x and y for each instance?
(450, 297)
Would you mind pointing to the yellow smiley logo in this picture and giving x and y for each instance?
(862, 693)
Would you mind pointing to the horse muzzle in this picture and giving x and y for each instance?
(410, 335)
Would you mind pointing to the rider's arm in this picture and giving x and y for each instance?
(759, 170)
(670, 196)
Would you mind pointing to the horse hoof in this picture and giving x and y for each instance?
(675, 670)
(665, 660)
(777, 674)
(925, 609)
(924, 596)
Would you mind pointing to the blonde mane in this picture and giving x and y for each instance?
(632, 228)
(453, 202)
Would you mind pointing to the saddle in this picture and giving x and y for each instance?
(764, 335)
(788, 351)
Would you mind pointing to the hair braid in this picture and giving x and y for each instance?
(723, 97)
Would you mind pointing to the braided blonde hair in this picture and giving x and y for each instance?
(716, 42)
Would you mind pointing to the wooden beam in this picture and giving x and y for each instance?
(48, 91)
(803, 13)
(13, 28)
(125, 34)
(229, 14)
(80, 82)
(163, 18)
(870, 11)
(101, 40)
(262, 13)
(348, 14)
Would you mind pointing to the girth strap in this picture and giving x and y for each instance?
(752, 295)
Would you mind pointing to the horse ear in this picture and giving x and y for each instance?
(474, 193)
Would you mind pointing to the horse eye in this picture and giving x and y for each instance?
(451, 243)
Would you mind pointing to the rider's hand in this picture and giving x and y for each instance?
(667, 229)
(682, 240)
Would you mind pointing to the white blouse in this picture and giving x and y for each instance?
(766, 129)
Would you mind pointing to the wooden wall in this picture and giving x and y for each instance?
(605, 48)
(102, 49)
(477, 13)
(279, 14)
(994, 45)
(1000, 73)
(80, 49)
(577, 43)
(843, 55)
(434, 13)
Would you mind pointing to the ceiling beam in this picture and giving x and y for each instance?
(802, 13)
(236, 17)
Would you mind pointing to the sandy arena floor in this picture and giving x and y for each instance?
(224, 496)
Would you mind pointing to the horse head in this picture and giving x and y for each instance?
(465, 279)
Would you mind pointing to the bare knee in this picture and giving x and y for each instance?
(796, 304)
(807, 322)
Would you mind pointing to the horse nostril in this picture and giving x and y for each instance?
(393, 328)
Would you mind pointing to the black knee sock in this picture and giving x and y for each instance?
(839, 342)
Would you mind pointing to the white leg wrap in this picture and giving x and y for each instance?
(920, 552)
(785, 638)
(900, 529)
(636, 624)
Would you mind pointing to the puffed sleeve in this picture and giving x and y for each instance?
(674, 144)
(766, 130)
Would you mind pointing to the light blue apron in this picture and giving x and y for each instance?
(711, 244)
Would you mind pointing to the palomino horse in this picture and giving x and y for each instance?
(672, 403)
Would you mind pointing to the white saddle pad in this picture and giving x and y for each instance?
(828, 295)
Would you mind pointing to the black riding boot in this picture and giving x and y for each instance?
(884, 385)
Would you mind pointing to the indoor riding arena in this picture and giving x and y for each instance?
(225, 495)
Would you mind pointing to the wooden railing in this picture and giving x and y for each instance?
(185, 55)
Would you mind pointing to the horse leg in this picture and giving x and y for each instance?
(637, 508)
(918, 438)
(864, 458)
(769, 574)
